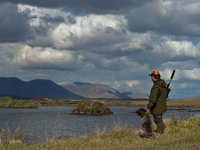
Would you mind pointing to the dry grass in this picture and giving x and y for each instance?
(179, 134)
(18, 136)
(184, 103)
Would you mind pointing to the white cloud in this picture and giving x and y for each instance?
(166, 74)
(132, 83)
(193, 74)
(87, 30)
(183, 85)
(134, 41)
(127, 85)
(47, 58)
(181, 74)
(177, 48)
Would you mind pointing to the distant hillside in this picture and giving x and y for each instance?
(17, 88)
(89, 90)
(135, 95)
(195, 97)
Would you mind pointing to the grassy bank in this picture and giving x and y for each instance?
(9, 102)
(184, 103)
(179, 134)
(170, 103)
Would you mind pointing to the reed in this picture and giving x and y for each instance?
(180, 133)
(17, 136)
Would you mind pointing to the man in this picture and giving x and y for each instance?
(157, 100)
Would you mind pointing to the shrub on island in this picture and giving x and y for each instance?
(94, 108)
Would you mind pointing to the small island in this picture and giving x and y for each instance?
(94, 108)
(9, 102)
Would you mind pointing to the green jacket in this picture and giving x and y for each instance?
(157, 99)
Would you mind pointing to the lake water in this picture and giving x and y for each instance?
(47, 122)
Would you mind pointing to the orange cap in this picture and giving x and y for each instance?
(155, 72)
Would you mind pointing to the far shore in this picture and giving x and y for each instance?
(179, 103)
(9, 102)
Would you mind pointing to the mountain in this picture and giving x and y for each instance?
(17, 88)
(135, 95)
(96, 90)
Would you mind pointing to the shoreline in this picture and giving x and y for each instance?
(124, 138)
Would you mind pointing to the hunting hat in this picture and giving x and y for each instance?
(155, 72)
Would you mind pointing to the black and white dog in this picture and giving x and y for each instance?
(146, 130)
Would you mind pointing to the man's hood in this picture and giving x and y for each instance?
(161, 83)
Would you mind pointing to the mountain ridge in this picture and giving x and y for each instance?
(17, 88)
(93, 90)
(135, 95)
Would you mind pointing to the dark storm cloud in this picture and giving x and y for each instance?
(85, 6)
(13, 25)
(165, 18)
(58, 19)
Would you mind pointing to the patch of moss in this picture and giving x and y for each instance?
(94, 108)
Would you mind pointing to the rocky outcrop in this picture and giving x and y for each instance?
(94, 108)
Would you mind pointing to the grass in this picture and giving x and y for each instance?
(184, 103)
(179, 134)
(18, 136)
(9, 102)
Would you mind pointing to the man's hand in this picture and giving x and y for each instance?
(148, 111)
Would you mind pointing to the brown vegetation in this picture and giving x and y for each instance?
(114, 102)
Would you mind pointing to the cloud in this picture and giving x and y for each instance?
(178, 48)
(183, 85)
(89, 31)
(13, 25)
(192, 74)
(85, 6)
(48, 58)
(113, 42)
(165, 17)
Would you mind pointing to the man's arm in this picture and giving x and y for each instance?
(153, 98)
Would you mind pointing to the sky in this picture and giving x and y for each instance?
(115, 42)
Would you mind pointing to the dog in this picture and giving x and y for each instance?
(146, 130)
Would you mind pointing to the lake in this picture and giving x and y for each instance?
(47, 122)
